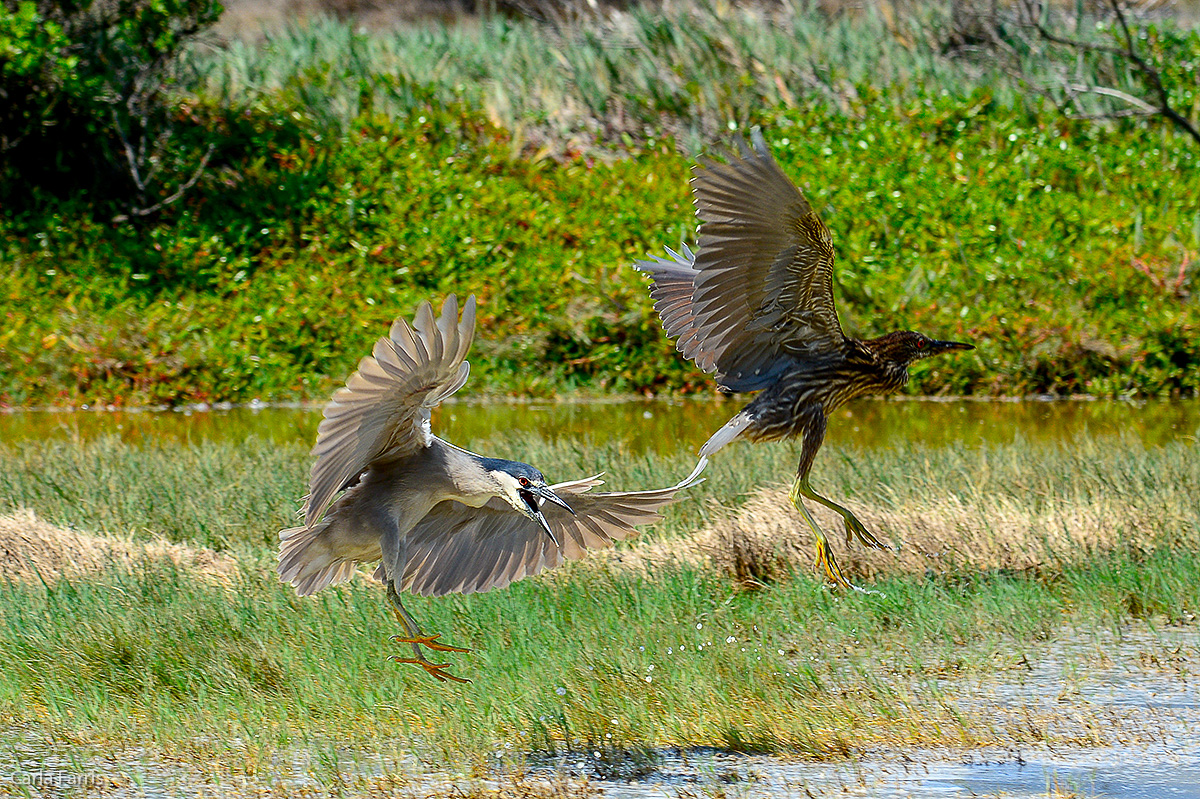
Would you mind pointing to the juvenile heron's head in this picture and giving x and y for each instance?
(524, 487)
(903, 347)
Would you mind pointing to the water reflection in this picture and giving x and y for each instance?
(656, 425)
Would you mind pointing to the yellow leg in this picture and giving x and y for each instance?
(854, 528)
(416, 638)
(825, 558)
(429, 641)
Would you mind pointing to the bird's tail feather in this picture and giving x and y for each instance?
(731, 430)
(306, 562)
(691, 479)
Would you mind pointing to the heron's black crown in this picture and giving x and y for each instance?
(515, 468)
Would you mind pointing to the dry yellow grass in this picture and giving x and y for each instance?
(32, 549)
(761, 540)
(766, 538)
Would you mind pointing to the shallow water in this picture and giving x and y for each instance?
(1118, 713)
(648, 425)
(1120, 773)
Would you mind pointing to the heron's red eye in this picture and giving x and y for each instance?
(920, 343)
(524, 481)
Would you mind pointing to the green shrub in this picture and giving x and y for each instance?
(87, 102)
(967, 221)
(339, 195)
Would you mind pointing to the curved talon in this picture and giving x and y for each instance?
(827, 562)
(833, 572)
(856, 529)
(428, 641)
(436, 670)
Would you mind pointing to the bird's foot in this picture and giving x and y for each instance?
(856, 529)
(429, 641)
(436, 670)
(833, 572)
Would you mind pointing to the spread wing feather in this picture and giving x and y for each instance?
(459, 549)
(383, 411)
(761, 281)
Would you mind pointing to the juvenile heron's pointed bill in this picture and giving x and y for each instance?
(946, 346)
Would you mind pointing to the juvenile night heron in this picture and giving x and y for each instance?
(439, 518)
(754, 305)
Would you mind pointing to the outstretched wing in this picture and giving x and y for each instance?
(674, 284)
(762, 277)
(383, 411)
(459, 549)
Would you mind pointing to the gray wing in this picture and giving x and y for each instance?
(762, 276)
(674, 283)
(464, 550)
(383, 412)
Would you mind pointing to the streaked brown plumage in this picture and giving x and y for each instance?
(439, 519)
(754, 305)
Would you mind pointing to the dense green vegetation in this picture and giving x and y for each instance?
(164, 656)
(89, 96)
(353, 175)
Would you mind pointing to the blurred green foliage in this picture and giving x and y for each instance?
(690, 70)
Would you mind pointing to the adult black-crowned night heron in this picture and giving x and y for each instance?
(754, 305)
(439, 518)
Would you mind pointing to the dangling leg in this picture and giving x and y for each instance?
(854, 528)
(825, 559)
(395, 556)
(813, 435)
(414, 629)
(418, 639)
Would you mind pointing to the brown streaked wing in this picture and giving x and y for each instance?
(764, 270)
(383, 411)
(460, 549)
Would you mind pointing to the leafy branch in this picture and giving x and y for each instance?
(1160, 103)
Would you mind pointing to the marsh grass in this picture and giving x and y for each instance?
(689, 70)
(595, 655)
(953, 511)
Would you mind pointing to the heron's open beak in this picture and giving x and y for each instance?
(535, 512)
(545, 493)
(946, 346)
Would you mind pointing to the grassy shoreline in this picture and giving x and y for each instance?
(156, 655)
